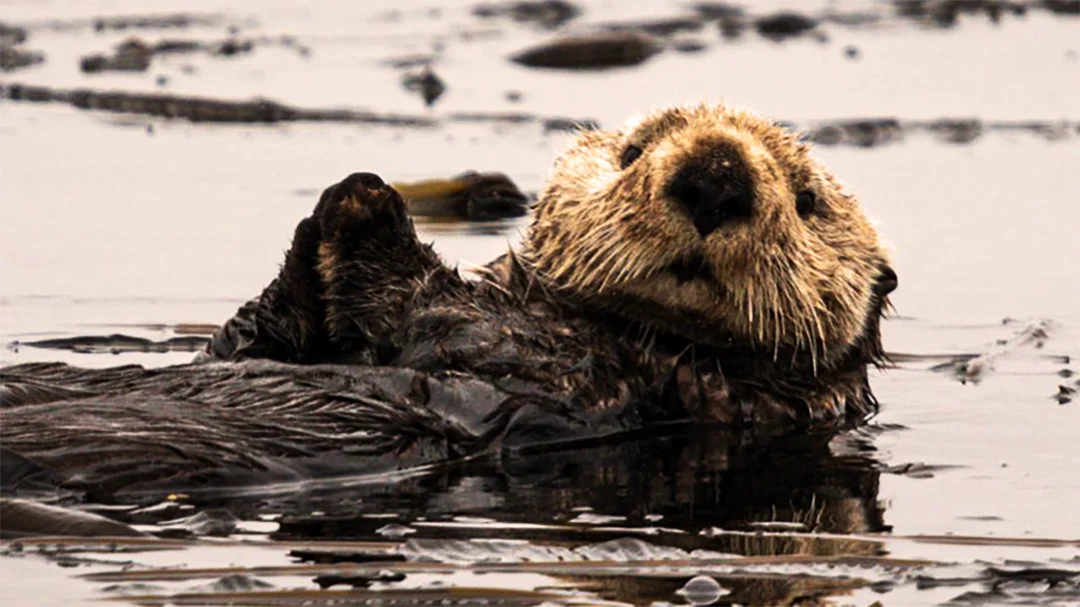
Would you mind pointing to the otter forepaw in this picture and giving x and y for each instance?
(369, 261)
(359, 207)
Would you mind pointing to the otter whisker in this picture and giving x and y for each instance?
(631, 266)
(598, 261)
(776, 334)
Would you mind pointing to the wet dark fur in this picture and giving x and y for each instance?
(447, 367)
(390, 301)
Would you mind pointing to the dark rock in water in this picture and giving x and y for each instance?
(409, 61)
(1065, 394)
(357, 580)
(117, 343)
(928, 13)
(855, 19)
(198, 109)
(944, 13)
(861, 133)
(689, 46)
(131, 56)
(659, 27)
(471, 195)
(718, 10)
(178, 20)
(493, 117)
(732, 28)
(1061, 7)
(825, 135)
(781, 26)
(591, 52)
(731, 19)
(201, 109)
(427, 83)
(869, 133)
(178, 46)
(549, 14)
(92, 64)
(233, 47)
(13, 58)
(11, 35)
(963, 130)
(24, 518)
(1051, 131)
(135, 54)
(311, 527)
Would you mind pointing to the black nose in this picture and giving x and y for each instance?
(715, 189)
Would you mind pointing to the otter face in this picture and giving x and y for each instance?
(719, 216)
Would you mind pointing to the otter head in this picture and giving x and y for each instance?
(718, 225)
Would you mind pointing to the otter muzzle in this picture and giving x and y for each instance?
(715, 188)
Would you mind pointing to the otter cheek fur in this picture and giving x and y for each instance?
(722, 220)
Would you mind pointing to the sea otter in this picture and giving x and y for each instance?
(696, 264)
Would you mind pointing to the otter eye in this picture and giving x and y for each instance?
(629, 155)
(805, 203)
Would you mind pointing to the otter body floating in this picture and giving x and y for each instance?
(697, 264)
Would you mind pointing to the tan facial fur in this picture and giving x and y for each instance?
(769, 276)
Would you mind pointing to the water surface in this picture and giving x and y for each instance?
(111, 227)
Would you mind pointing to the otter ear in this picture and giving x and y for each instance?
(886, 281)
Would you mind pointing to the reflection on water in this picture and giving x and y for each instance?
(692, 479)
(696, 515)
(628, 521)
